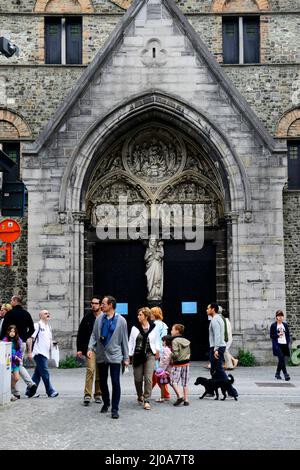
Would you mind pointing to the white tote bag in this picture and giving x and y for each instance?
(54, 354)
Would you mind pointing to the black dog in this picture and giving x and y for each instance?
(212, 386)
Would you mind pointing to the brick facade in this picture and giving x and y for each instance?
(221, 6)
(63, 6)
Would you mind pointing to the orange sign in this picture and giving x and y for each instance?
(10, 230)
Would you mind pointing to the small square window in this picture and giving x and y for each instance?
(188, 308)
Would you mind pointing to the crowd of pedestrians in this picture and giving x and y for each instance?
(18, 328)
(157, 358)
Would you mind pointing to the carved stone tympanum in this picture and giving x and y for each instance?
(154, 154)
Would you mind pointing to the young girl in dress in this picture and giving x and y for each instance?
(163, 371)
(12, 337)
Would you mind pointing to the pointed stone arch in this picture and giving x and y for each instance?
(289, 124)
(219, 6)
(186, 176)
(14, 124)
(110, 187)
(238, 194)
(64, 6)
(190, 187)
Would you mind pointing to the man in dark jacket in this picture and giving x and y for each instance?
(83, 337)
(22, 319)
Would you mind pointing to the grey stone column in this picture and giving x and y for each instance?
(77, 268)
(233, 269)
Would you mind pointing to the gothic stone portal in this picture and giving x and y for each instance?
(155, 165)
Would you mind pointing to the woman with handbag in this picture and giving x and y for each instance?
(144, 347)
(40, 351)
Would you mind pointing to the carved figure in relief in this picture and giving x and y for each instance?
(154, 268)
(154, 159)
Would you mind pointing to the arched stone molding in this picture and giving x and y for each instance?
(219, 6)
(21, 127)
(294, 129)
(238, 190)
(202, 180)
(64, 6)
(111, 190)
(121, 176)
(287, 123)
(190, 187)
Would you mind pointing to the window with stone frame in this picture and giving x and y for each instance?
(12, 149)
(63, 40)
(293, 164)
(241, 39)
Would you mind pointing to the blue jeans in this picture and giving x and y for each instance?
(41, 371)
(216, 365)
(115, 381)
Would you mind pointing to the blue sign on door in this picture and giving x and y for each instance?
(122, 308)
(189, 308)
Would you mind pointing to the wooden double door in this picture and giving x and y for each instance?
(189, 284)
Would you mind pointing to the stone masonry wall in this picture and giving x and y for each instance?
(279, 37)
(28, 33)
(36, 90)
(27, 6)
(258, 245)
(291, 200)
(268, 89)
(203, 6)
(37, 103)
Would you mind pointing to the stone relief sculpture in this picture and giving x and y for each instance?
(110, 162)
(185, 191)
(153, 160)
(153, 54)
(139, 165)
(154, 268)
(154, 154)
(110, 194)
(191, 191)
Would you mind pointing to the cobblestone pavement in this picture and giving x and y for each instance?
(253, 422)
